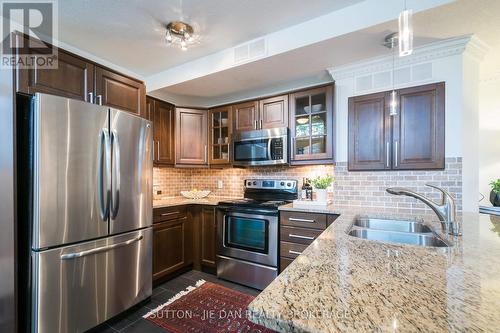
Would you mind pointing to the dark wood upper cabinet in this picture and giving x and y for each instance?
(369, 133)
(120, 92)
(79, 78)
(311, 126)
(414, 139)
(74, 78)
(245, 116)
(208, 237)
(162, 114)
(220, 128)
(273, 112)
(191, 138)
(419, 128)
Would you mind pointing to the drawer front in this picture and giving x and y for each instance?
(80, 286)
(284, 262)
(304, 220)
(169, 213)
(291, 250)
(299, 235)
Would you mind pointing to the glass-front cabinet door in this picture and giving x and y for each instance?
(311, 126)
(220, 130)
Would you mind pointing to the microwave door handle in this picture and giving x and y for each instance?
(269, 146)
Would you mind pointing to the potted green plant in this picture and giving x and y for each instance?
(321, 184)
(495, 193)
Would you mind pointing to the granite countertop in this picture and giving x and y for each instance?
(180, 201)
(346, 284)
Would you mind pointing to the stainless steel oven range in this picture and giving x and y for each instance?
(247, 232)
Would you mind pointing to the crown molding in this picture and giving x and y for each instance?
(449, 47)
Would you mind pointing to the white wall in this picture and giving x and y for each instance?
(449, 61)
(489, 134)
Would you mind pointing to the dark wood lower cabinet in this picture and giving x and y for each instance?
(208, 228)
(297, 231)
(172, 245)
(184, 236)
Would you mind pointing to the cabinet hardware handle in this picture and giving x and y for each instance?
(294, 252)
(301, 220)
(261, 124)
(158, 150)
(154, 142)
(91, 97)
(387, 153)
(170, 213)
(300, 236)
(255, 125)
(99, 99)
(396, 153)
(206, 153)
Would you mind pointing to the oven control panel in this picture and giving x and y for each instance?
(276, 184)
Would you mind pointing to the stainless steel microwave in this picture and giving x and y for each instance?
(261, 147)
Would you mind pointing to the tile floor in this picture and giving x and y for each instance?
(132, 321)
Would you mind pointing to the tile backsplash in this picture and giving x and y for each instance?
(360, 188)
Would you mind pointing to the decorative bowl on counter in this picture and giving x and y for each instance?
(195, 194)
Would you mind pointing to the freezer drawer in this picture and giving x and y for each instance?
(78, 287)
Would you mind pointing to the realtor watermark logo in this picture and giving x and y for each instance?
(37, 19)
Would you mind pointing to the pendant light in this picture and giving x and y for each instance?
(391, 42)
(405, 32)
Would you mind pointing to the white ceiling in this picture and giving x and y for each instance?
(307, 65)
(130, 33)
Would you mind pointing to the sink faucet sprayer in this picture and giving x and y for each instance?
(446, 211)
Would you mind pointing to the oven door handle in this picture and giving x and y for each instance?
(228, 209)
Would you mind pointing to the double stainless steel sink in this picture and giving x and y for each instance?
(396, 231)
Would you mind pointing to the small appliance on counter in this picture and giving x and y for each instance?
(247, 232)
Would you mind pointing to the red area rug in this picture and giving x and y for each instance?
(206, 308)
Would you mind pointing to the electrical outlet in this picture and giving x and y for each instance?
(220, 184)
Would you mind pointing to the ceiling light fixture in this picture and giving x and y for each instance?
(391, 42)
(180, 34)
(405, 32)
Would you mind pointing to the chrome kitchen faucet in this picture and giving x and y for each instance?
(446, 211)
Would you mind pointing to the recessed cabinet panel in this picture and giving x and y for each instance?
(168, 247)
(120, 92)
(191, 137)
(273, 112)
(369, 133)
(163, 117)
(208, 237)
(245, 116)
(419, 128)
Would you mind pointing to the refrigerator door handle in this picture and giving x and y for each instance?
(115, 195)
(100, 249)
(104, 171)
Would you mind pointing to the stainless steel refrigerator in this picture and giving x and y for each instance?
(85, 205)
